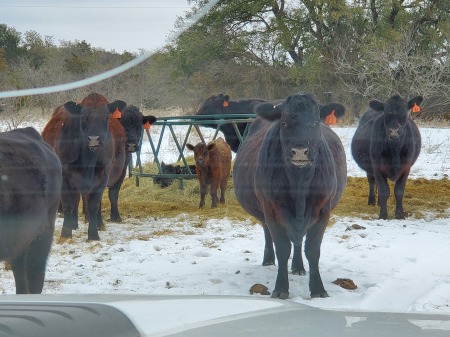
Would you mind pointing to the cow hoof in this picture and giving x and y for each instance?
(268, 263)
(93, 238)
(400, 216)
(116, 219)
(322, 294)
(298, 271)
(66, 232)
(281, 294)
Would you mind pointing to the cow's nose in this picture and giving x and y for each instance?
(131, 147)
(93, 142)
(299, 153)
(394, 133)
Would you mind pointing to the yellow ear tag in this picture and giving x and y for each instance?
(331, 118)
(225, 104)
(117, 114)
(147, 126)
(415, 108)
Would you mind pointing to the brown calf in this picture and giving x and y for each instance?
(213, 165)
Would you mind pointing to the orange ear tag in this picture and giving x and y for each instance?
(415, 108)
(117, 114)
(331, 118)
(225, 104)
(147, 126)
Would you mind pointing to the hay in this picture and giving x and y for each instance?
(422, 197)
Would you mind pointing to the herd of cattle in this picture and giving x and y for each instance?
(289, 173)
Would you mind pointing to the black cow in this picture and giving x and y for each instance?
(222, 105)
(172, 169)
(30, 184)
(127, 136)
(289, 173)
(386, 145)
(86, 149)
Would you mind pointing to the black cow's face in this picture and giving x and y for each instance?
(300, 129)
(214, 105)
(93, 113)
(94, 126)
(133, 121)
(395, 114)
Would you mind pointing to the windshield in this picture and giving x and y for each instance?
(297, 150)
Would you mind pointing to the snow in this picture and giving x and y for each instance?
(397, 265)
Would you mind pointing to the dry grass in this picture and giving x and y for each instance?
(422, 197)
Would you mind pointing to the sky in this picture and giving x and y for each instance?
(397, 265)
(116, 25)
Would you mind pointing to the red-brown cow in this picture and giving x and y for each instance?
(81, 136)
(213, 165)
(126, 129)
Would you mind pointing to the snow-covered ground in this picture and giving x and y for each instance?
(396, 265)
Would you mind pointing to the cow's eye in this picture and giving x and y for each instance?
(205, 154)
(283, 124)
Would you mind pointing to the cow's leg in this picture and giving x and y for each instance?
(282, 250)
(297, 261)
(18, 268)
(213, 192)
(383, 195)
(70, 218)
(223, 188)
(399, 191)
(36, 261)
(84, 205)
(371, 181)
(100, 224)
(312, 251)
(94, 201)
(203, 191)
(269, 253)
(113, 194)
(70, 202)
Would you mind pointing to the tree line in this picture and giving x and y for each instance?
(348, 51)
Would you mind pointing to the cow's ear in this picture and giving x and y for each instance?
(226, 98)
(190, 147)
(211, 146)
(415, 101)
(118, 104)
(269, 111)
(376, 105)
(73, 108)
(150, 119)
